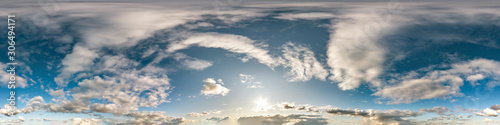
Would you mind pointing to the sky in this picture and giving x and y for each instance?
(242, 62)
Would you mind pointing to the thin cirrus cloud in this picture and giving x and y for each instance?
(250, 82)
(293, 119)
(299, 60)
(233, 43)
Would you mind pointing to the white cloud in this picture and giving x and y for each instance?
(305, 16)
(65, 106)
(122, 93)
(248, 80)
(149, 117)
(229, 42)
(488, 112)
(418, 89)
(192, 63)
(212, 88)
(440, 83)
(487, 120)
(5, 77)
(217, 119)
(301, 63)
(34, 104)
(89, 121)
(358, 53)
(438, 110)
(370, 116)
(115, 64)
(474, 78)
(79, 60)
(377, 116)
(122, 87)
(118, 28)
(354, 52)
(292, 119)
(196, 114)
(105, 108)
(495, 107)
(305, 107)
(237, 15)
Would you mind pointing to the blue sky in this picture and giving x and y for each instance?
(244, 62)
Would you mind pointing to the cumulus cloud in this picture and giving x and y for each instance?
(212, 88)
(119, 82)
(487, 112)
(85, 121)
(293, 119)
(438, 110)
(377, 116)
(5, 77)
(305, 16)
(118, 28)
(490, 112)
(104, 108)
(304, 107)
(13, 111)
(128, 90)
(474, 78)
(217, 119)
(495, 107)
(147, 118)
(359, 48)
(418, 89)
(370, 116)
(196, 114)
(355, 57)
(122, 91)
(354, 51)
(192, 63)
(34, 104)
(440, 83)
(487, 120)
(301, 63)
(79, 60)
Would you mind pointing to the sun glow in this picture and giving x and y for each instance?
(262, 104)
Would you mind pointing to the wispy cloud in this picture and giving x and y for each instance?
(305, 16)
(440, 83)
(301, 63)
